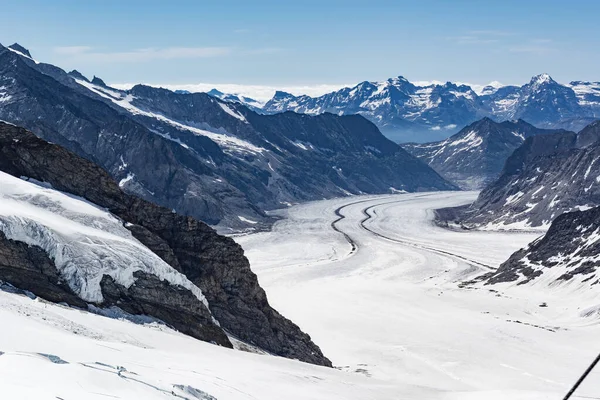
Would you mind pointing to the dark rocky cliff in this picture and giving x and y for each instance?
(570, 251)
(216, 264)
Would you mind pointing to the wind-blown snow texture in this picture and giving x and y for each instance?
(475, 156)
(408, 112)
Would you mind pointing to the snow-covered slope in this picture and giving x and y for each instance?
(426, 112)
(93, 244)
(568, 257)
(476, 155)
(393, 304)
(249, 102)
(545, 177)
(50, 352)
(85, 241)
(215, 160)
(88, 252)
(401, 109)
(392, 314)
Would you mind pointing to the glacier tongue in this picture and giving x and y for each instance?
(85, 241)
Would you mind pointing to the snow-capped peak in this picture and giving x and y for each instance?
(541, 79)
(16, 47)
(22, 51)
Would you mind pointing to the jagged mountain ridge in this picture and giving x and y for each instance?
(545, 177)
(407, 112)
(475, 156)
(204, 157)
(127, 226)
(568, 254)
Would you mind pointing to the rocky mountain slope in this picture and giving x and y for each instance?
(475, 156)
(249, 102)
(408, 112)
(545, 177)
(216, 161)
(568, 254)
(70, 234)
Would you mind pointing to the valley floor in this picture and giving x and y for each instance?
(373, 281)
(384, 301)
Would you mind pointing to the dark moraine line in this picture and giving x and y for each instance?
(418, 246)
(337, 212)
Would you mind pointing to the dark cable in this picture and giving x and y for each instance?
(581, 379)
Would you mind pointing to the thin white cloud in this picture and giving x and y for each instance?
(490, 32)
(480, 37)
(71, 50)
(473, 39)
(533, 48)
(266, 50)
(85, 53)
(541, 40)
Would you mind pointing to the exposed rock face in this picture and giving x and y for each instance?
(475, 156)
(569, 252)
(216, 264)
(547, 176)
(219, 162)
(30, 268)
(151, 296)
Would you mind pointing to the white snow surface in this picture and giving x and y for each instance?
(393, 309)
(389, 313)
(85, 242)
(99, 358)
(234, 114)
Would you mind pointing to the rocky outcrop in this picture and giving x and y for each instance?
(30, 268)
(216, 264)
(157, 298)
(569, 252)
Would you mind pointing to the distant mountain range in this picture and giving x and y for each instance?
(215, 160)
(475, 156)
(548, 175)
(407, 112)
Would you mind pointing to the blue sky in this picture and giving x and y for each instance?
(294, 43)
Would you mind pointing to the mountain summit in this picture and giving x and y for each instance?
(20, 49)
